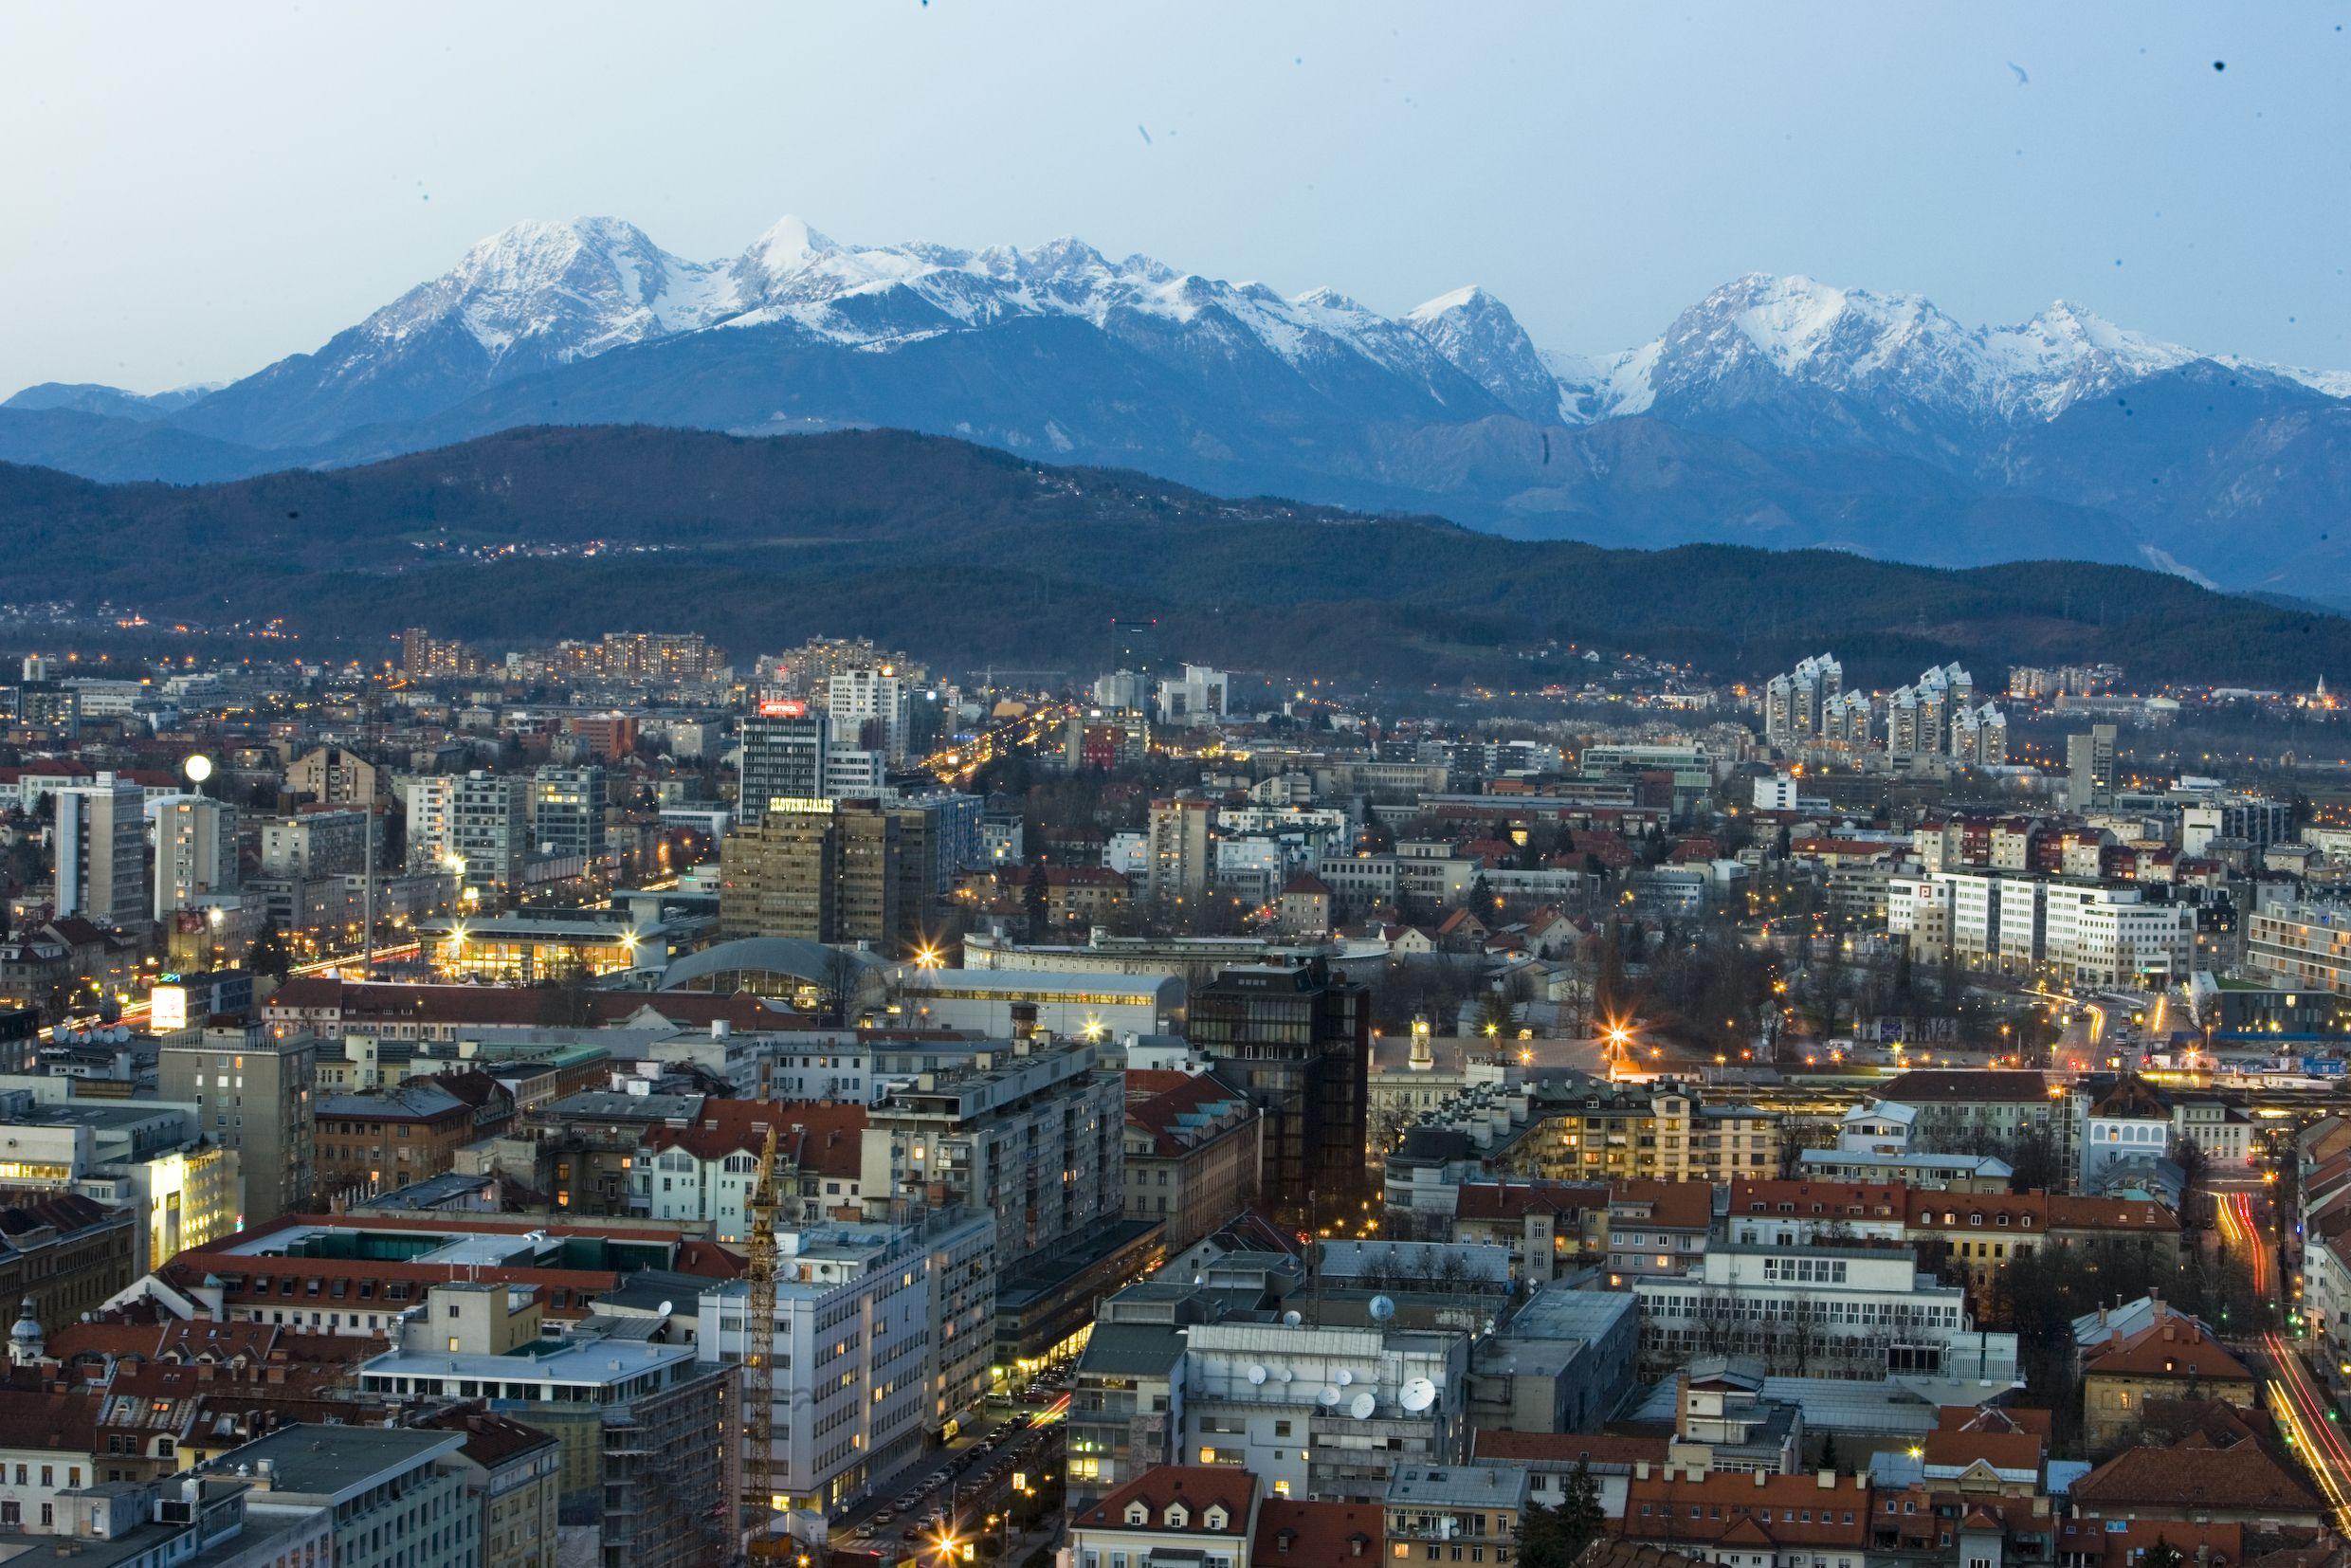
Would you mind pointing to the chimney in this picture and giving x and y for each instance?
(1640, 1470)
(1759, 1477)
(1024, 1020)
(1827, 1480)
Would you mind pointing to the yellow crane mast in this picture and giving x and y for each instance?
(759, 1362)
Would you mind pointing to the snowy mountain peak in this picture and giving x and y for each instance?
(1479, 337)
(1760, 332)
(789, 246)
(557, 291)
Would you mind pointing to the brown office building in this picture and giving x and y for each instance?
(1297, 1040)
(852, 874)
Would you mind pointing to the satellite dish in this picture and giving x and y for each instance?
(1383, 1308)
(1418, 1395)
(1285, 1374)
(667, 1307)
(1328, 1397)
(1362, 1405)
(1293, 1319)
(1256, 1374)
(1345, 1378)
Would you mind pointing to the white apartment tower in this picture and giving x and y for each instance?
(868, 710)
(195, 851)
(490, 830)
(101, 850)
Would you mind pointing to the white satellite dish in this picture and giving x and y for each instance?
(1345, 1378)
(1418, 1395)
(1293, 1319)
(1328, 1397)
(1256, 1374)
(1383, 1308)
(1285, 1374)
(667, 1307)
(1362, 1405)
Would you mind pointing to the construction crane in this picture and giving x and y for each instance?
(759, 1362)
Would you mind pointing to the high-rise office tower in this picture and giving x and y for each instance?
(567, 812)
(1298, 1040)
(785, 757)
(854, 872)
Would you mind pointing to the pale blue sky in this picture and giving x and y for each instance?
(183, 198)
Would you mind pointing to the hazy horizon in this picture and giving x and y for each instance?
(215, 198)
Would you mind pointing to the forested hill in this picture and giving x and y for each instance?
(965, 552)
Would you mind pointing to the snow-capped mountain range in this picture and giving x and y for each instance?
(1777, 409)
(542, 293)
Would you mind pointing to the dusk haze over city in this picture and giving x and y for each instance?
(922, 785)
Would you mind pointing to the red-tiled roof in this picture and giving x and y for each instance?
(1927, 1210)
(2067, 1211)
(1784, 1510)
(2177, 1346)
(1568, 1448)
(37, 1418)
(1160, 1113)
(491, 1440)
(1198, 1487)
(23, 1210)
(1820, 1199)
(2246, 1476)
(1675, 1205)
(812, 1135)
(2117, 1542)
(711, 1261)
(1316, 1535)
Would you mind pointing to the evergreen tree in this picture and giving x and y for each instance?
(270, 954)
(1581, 1519)
(1037, 901)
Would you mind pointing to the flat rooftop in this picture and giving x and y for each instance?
(1486, 1486)
(591, 1364)
(322, 1463)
